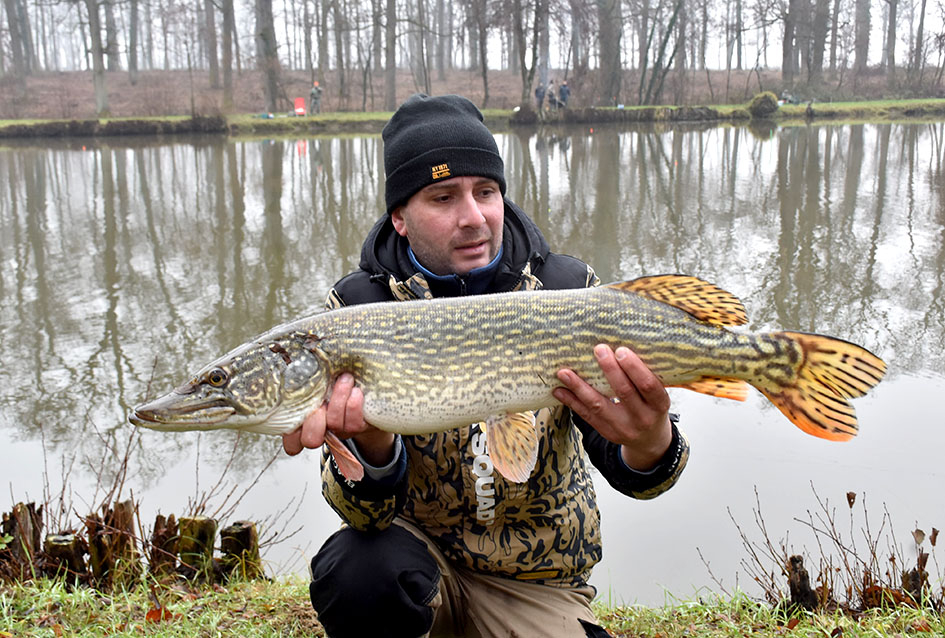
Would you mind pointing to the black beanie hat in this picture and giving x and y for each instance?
(434, 138)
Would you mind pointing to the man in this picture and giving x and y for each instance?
(436, 541)
(563, 94)
(315, 98)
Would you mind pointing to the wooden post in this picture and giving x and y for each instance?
(240, 545)
(197, 534)
(164, 542)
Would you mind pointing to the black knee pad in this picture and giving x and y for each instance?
(374, 584)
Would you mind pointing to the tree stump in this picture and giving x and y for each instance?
(65, 555)
(24, 524)
(164, 544)
(240, 545)
(195, 547)
(113, 557)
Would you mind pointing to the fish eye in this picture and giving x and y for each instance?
(217, 377)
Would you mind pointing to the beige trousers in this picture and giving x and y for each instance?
(474, 605)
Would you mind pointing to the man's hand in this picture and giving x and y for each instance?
(639, 421)
(342, 414)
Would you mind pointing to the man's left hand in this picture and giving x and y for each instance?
(638, 421)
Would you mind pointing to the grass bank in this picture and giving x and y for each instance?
(498, 119)
(262, 609)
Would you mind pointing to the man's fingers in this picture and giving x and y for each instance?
(338, 401)
(354, 411)
(313, 429)
(641, 379)
(612, 365)
(292, 442)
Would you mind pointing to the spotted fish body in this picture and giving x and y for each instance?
(432, 365)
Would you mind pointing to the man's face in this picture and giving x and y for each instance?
(453, 226)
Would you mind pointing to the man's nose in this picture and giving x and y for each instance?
(469, 212)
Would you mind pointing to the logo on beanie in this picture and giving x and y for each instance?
(440, 171)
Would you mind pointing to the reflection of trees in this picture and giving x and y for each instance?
(122, 264)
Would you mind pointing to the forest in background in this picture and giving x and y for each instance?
(86, 58)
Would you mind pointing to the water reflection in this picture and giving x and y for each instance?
(123, 266)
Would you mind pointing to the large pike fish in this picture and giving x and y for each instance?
(429, 366)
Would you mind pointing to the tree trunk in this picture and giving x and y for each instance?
(267, 60)
(211, 42)
(891, 43)
(228, 26)
(483, 33)
(861, 44)
(26, 35)
(390, 57)
(133, 44)
(819, 42)
(787, 46)
(111, 37)
(834, 34)
(98, 58)
(341, 61)
(917, 57)
(611, 26)
(20, 63)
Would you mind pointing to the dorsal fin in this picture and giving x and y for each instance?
(704, 301)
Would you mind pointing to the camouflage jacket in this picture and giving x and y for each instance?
(546, 529)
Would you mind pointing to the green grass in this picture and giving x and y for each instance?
(281, 608)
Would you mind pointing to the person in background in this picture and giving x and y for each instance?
(564, 92)
(552, 97)
(315, 98)
(539, 97)
(435, 541)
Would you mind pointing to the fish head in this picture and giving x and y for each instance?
(268, 385)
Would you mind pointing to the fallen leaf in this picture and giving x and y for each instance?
(920, 624)
(57, 629)
(158, 615)
(837, 632)
(793, 622)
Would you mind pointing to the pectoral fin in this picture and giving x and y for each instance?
(513, 444)
(348, 465)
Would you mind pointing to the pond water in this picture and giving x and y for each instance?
(126, 264)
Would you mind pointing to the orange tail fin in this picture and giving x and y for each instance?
(831, 372)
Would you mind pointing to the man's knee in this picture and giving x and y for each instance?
(374, 584)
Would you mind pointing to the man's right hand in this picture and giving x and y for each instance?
(342, 414)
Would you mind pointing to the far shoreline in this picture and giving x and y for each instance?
(339, 123)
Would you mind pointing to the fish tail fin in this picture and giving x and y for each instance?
(831, 371)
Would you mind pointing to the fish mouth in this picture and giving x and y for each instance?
(177, 411)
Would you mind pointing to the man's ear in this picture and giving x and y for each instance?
(397, 217)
